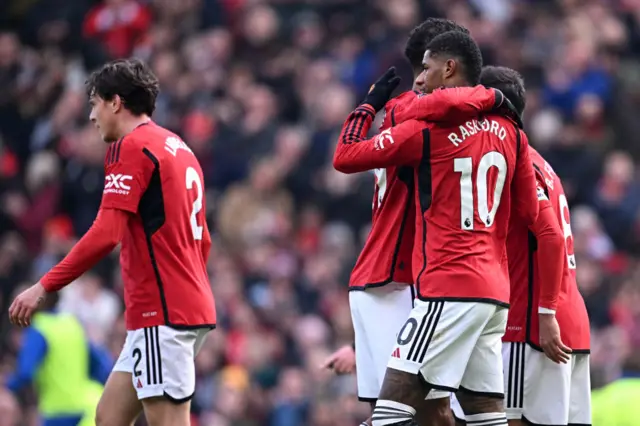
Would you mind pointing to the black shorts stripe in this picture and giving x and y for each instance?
(518, 374)
(419, 333)
(152, 344)
(523, 348)
(157, 338)
(510, 379)
(425, 332)
(515, 383)
(432, 330)
(147, 355)
(152, 355)
(431, 313)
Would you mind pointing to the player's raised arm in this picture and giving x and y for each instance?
(399, 145)
(355, 153)
(453, 104)
(525, 200)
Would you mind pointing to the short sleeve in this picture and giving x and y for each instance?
(127, 172)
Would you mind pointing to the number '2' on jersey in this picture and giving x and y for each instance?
(154, 176)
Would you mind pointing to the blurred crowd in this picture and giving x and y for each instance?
(259, 90)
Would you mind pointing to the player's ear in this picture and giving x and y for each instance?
(116, 103)
(449, 68)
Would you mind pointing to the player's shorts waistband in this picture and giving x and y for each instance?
(461, 299)
(386, 286)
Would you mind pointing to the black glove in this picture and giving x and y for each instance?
(505, 107)
(381, 91)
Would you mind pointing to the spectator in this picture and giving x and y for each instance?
(118, 25)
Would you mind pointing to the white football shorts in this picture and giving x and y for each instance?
(378, 314)
(160, 360)
(454, 345)
(539, 391)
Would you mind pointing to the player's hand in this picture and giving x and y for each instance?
(25, 304)
(550, 339)
(342, 361)
(381, 91)
(505, 107)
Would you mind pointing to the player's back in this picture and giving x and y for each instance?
(466, 183)
(387, 254)
(165, 249)
(523, 266)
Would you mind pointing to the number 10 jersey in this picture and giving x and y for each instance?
(468, 180)
(153, 175)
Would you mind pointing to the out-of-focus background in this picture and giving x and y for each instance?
(259, 90)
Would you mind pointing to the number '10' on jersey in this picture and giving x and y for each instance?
(468, 181)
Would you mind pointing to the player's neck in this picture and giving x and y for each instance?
(457, 82)
(130, 123)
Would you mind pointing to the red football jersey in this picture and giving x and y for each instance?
(386, 255)
(468, 180)
(154, 175)
(571, 312)
(462, 254)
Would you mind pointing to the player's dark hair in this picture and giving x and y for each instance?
(422, 35)
(508, 81)
(131, 79)
(458, 45)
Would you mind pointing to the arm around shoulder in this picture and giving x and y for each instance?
(397, 146)
(457, 103)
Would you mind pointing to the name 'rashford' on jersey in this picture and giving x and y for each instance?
(467, 179)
